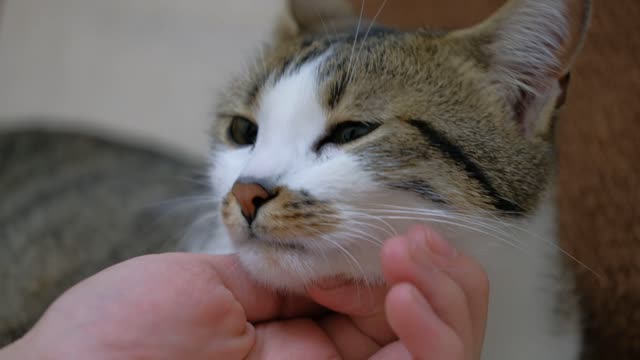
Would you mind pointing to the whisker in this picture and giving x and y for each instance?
(324, 24)
(362, 236)
(347, 253)
(191, 180)
(391, 232)
(444, 214)
(462, 215)
(357, 263)
(355, 41)
(183, 200)
(478, 220)
(472, 221)
(440, 221)
(366, 237)
(366, 35)
(475, 219)
(188, 235)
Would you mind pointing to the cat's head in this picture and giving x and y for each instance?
(344, 132)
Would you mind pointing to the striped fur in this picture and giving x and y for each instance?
(461, 140)
(72, 204)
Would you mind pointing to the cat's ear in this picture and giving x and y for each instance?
(305, 17)
(530, 46)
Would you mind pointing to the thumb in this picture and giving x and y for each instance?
(363, 305)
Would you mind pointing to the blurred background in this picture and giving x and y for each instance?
(143, 68)
(150, 70)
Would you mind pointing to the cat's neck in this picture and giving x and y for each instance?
(532, 301)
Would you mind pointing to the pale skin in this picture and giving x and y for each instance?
(190, 306)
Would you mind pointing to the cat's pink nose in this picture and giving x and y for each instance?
(251, 197)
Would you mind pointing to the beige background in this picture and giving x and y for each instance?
(144, 68)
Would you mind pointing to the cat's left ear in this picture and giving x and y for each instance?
(529, 47)
(306, 17)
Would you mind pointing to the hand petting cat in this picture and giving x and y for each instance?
(192, 306)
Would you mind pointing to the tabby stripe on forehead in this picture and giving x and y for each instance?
(255, 89)
(337, 89)
(455, 153)
(421, 188)
(305, 58)
(302, 57)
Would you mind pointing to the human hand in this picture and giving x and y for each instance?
(177, 306)
(435, 307)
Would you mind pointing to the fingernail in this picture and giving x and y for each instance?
(418, 297)
(439, 246)
(418, 250)
(428, 247)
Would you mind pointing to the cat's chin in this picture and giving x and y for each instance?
(293, 270)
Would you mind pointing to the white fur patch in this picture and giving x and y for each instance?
(291, 120)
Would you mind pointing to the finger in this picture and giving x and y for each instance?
(349, 338)
(419, 328)
(291, 339)
(396, 351)
(469, 275)
(363, 309)
(348, 297)
(473, 280)
(425, 260)
(259, 302)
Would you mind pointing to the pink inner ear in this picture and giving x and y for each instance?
(520, 107)
(564, 88)
(526, 99)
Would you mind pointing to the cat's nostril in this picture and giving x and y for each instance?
(251, 197)
(258, 201)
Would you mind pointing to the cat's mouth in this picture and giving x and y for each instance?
(287, 221)
(278, 245)
(284, 246)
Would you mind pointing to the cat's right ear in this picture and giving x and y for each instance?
(307, 17)
(529, 47)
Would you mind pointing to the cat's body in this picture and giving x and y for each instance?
(72, 204)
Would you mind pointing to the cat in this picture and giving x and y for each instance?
(346, 133)
(73, 203)
(358, 139)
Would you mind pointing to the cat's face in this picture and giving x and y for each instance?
(332, 145)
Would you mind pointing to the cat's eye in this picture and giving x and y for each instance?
(349, 131)
(242, 131)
